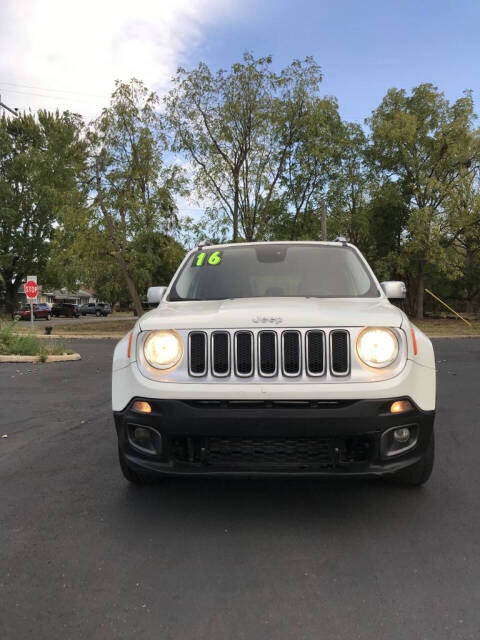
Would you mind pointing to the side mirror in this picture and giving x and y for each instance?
(155, 294)
(394, 290)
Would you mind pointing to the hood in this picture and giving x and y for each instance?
(270, 312)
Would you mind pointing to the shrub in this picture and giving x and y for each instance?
(28, 344)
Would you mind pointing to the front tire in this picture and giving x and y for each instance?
(98, 314)
(419, 473)
(139, 478)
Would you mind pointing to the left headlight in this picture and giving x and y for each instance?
(377, 347)
(163, 349)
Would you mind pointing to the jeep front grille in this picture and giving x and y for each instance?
(244, 353)
(339, 352)
(269, 353)
(197, 346)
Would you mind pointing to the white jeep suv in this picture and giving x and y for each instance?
(275, 358)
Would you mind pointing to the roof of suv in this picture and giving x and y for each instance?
(336, 243)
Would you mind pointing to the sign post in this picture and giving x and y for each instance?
(31, 291)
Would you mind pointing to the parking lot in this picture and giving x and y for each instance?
(84, 555)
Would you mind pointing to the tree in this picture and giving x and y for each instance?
(348, 193)
(463, 231)
(237, 128)
(41, 159)
(421, 141)
(312, 162)
(133, 191)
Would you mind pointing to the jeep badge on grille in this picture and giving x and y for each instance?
(265, 320)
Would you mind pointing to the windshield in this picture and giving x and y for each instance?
(273, 270)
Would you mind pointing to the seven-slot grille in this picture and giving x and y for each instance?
(269, 353)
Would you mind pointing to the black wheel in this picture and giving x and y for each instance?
(98, 314)
(84, 314)
(135, 477)
(420, 472)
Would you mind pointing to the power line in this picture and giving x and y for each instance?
(26, 86)
(52, 97)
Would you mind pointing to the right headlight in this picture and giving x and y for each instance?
(377, 347)
(163, 349)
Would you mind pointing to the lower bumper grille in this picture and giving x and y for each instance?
(270, 453)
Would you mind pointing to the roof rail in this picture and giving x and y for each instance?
(341, 239)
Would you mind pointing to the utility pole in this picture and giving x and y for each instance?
(13, 111)
(324, 220)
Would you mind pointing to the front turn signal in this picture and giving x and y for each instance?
(400, 406)
(141, 406)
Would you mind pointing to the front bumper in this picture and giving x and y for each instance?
(282, 437)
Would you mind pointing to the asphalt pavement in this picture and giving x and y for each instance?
(85, 556)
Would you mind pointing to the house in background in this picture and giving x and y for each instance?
(51, 296)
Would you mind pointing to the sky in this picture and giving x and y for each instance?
(63, 54)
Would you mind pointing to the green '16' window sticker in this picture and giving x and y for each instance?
(212, 259)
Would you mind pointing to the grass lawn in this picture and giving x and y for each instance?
(448, 327)
(118, 328)
(115, 327)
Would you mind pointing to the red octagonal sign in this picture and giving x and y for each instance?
(31, 289)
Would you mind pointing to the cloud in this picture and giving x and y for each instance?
(67, 55)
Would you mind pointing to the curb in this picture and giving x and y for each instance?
(65, 358)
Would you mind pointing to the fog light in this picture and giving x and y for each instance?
(400, 406)
(141, 407)
(145, 439)
(402, 435)
(398, 440)
(142, 436)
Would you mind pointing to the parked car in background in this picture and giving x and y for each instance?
(40, 310)
(67, 309)
(96, 309)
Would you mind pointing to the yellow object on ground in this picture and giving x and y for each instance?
(450, 308)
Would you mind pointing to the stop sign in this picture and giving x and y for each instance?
(31, 289)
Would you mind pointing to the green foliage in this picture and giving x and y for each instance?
(41, 160)
(12, 343)
(133, 190)
(424, 143)
(237, 127)
(267, 156)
